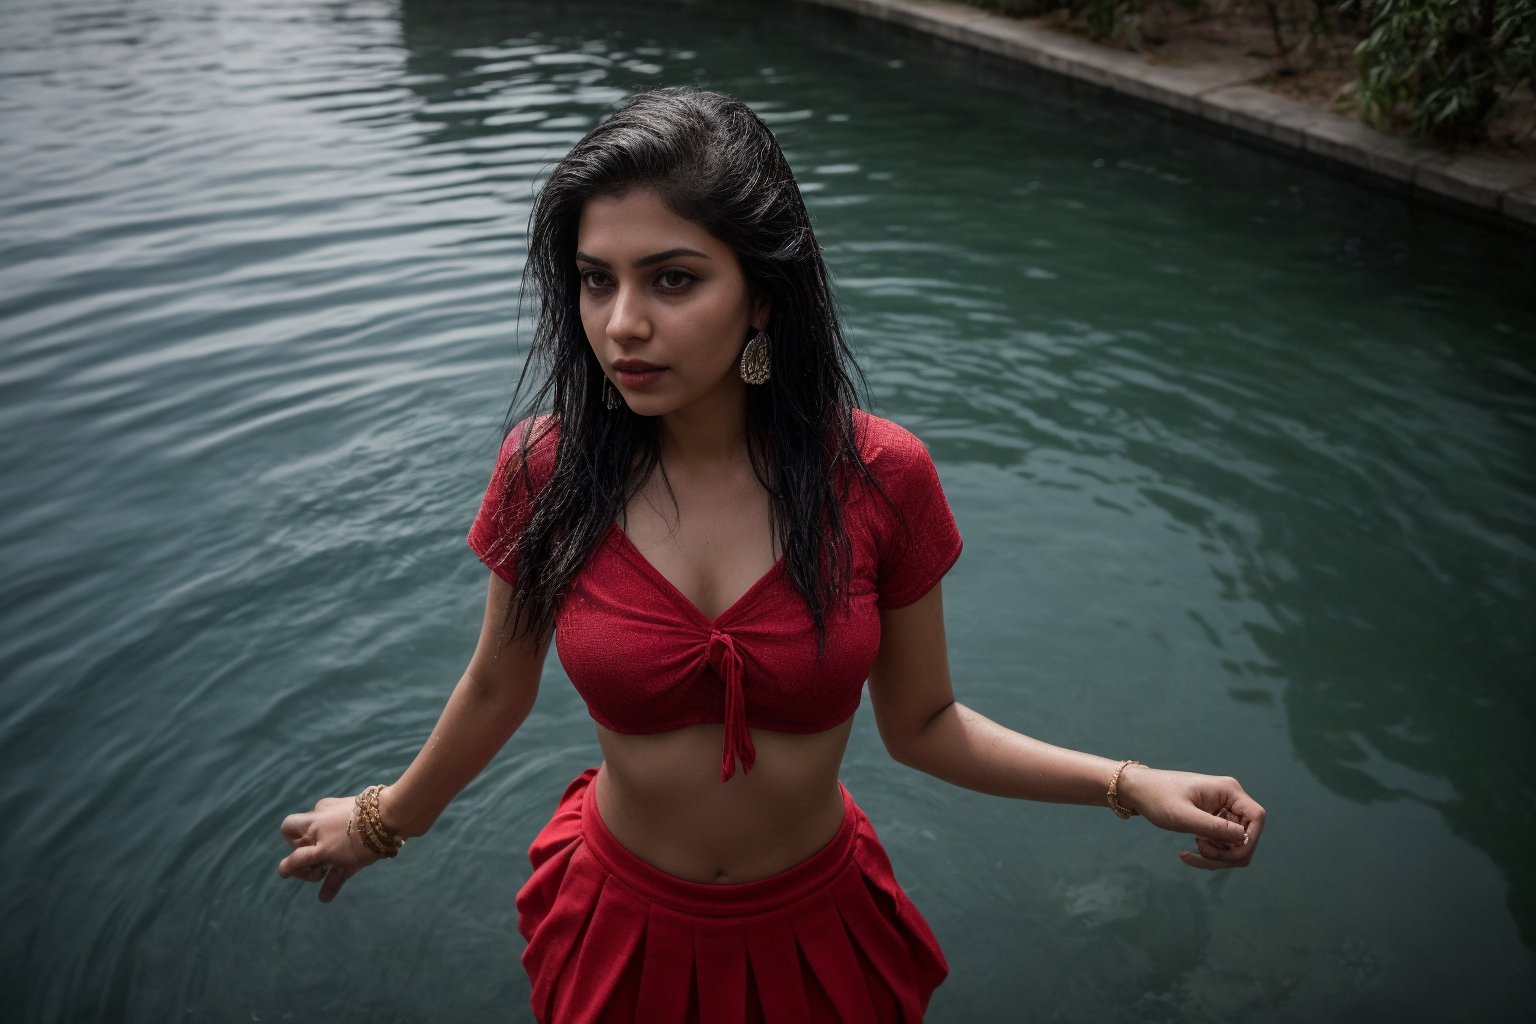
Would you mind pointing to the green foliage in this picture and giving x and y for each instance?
(1440, 66)
(1108, 18)
(1119, 20)
(1104, 19)
(1443, 65)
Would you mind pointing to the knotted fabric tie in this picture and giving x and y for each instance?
(726, 661)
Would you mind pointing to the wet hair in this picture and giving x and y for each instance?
(713, 161)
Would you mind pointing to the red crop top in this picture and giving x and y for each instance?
(646, 660)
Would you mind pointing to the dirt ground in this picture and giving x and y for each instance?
(1318, 70)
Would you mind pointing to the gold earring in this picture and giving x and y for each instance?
(611, 399)
(756, 362)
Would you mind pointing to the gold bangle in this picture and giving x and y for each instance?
(369, 825)
(1113, 796)
(386, 843)
(357, 828)
(375, 821)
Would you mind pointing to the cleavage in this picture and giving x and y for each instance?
(712, 554)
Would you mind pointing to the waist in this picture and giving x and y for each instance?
(805, 876)
(661, 797)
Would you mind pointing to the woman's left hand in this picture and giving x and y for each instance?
(1225, 821)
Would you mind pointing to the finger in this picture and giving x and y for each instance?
(1222, 844)
(1215, 859)
(332, 884)
(296, 829)
(1226, 852)
(299, 862)
(1247, 810)
(1231, 856)
(1213, 827)
(1194, 860)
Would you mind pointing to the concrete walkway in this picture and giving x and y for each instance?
(1490, 187)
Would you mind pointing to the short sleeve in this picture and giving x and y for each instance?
(921, 542)
(508, 503)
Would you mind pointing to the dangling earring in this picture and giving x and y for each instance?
(611, 399)
(756, 365)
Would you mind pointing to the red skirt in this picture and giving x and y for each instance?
(611, 938)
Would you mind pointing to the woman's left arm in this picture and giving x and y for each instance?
(924, 727)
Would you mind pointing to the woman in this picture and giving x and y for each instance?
(725, 549)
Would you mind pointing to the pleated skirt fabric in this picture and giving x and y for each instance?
(611, 938)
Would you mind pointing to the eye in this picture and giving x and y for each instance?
(674, 280)
(595, 280)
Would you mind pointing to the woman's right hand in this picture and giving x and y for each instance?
(322, 849)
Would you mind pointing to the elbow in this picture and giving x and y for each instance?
(910, 757)
(913, 745)
(901, 753)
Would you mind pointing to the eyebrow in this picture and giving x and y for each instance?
(644, 261)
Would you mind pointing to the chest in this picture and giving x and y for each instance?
(647, 659)
(710, 537)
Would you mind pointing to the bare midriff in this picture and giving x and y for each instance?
(662, 798)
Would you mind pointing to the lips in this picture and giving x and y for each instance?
(636, 373)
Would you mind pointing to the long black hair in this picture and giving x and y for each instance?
(712, 161)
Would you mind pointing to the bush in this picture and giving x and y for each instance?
(1104, 19)
(1440, 66)
(1444, 65)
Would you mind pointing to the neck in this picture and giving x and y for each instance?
(706, 432)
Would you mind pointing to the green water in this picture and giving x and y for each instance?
(1244, 456)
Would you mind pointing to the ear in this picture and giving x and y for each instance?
(762, 310)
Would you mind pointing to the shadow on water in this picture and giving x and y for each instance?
(1392, 547)
(1438, 708)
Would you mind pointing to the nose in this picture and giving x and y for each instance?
(628, 318)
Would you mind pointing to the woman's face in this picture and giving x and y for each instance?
(665, 305)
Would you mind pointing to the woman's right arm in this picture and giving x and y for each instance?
(490, 701)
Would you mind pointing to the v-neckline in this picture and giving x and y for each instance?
(672, 588)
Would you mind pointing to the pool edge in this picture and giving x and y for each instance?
(1502, 193)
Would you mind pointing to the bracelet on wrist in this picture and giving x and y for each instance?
(1113, 796)
(369, 825)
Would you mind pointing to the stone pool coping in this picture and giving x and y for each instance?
(1221, 94)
